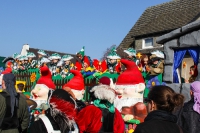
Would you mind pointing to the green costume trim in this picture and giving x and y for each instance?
(106, 105)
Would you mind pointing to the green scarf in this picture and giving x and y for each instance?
(106, 105)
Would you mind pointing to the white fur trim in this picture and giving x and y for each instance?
(113, 57)
(139, 87)
(126, 102)
(104, 92)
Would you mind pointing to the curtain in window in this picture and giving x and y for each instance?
(194, 52)
(178, 57)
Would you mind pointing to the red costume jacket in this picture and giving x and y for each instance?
(89, 120)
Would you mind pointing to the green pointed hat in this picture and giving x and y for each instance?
(41, 52)
(16, 55)
(82, 52)
(55, 56)
(67, 57)
(31, 54)
(131, 52)
(113, 55)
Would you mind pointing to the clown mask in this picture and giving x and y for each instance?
(40, 94)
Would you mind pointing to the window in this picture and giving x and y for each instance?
(147, 43)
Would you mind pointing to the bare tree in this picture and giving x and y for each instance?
(106, 52)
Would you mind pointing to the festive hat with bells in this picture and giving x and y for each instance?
(67, 57)
(113, 55)
(131, 52)
(55, 56)
(46, 78)
(31, 55)
(16, 55)
(77, 82)
(41, 52)
(130, 77)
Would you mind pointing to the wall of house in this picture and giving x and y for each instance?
(138, 43)
(185, 37)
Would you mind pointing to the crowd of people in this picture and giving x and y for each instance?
(118, 108)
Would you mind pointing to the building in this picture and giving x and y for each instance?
(157, 21)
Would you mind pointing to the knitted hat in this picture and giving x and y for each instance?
(130, 77)
(41, 52)
(113, 54)
(77, 82)
(46, 78)
(130, 51)
(31, 55)
(67, 57)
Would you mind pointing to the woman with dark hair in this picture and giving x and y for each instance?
(162, 101)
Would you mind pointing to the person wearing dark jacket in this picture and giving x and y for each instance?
(16, 118)
(162, 100)
(189, 117)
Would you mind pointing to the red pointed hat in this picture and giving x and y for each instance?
(46, 78)
(77, 82)
(7, 70)
(131, 76)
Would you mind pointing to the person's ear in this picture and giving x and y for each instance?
(153, 105)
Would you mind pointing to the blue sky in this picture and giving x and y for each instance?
(68, 25)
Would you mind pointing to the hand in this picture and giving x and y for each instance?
(128, 117)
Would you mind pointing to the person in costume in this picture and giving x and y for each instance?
(45, 62)
(76, 85)
(113, 65)
(86, 65)
(41, 54)
(144, 63)
(130, 87)
(42, 88)
(193, 74)
(22, 64)
(102, 116)
(16, 118)
(31, 63)
(157, 63)
(53, 67)
(66, 65)
(16, 61)
(60, 117)
(132, 55)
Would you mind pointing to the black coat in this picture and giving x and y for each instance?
(189, 119)
(159, 122)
